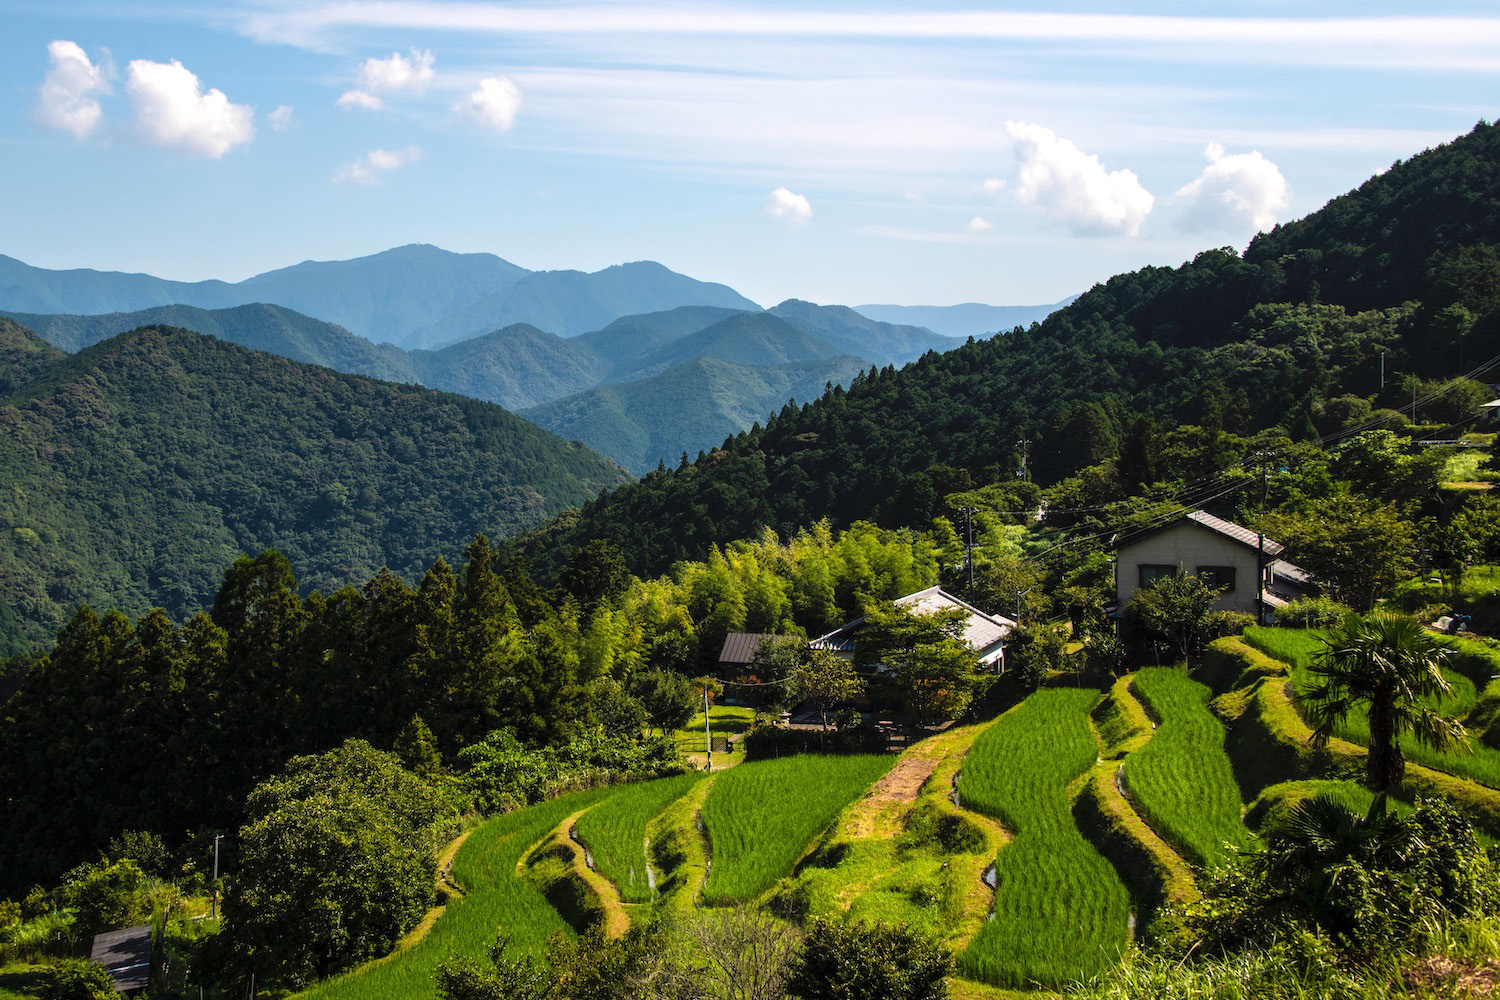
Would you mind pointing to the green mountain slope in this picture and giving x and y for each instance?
(744, 339)
(516, 367)
(136, 470)
(628, 339)
(569, 303)
(689, 408)
(1248, 342)
(851, 333)
(23, 355)
(261, 327)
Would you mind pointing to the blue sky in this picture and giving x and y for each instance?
(893, 152)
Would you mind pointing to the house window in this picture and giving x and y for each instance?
(1217, 577)
(1151, 572)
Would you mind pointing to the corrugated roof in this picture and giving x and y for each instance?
(1219, 526)
(741, 647)
(981, 631)
(1291, 572)
(127, 956)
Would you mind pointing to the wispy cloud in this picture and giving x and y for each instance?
(1460, 43)
(368, 170)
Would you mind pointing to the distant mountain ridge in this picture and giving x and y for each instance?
(415, 296)
(967, 319)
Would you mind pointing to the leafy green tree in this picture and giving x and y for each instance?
(336, 862)
(521, 978)
(931, 668)
(1359, 548)
(824, 679)
(1172, 612)
(417, 750)
(1390, 666)
(616, 711)
(595, 574)
(669, 697)
(106, 896)
(853, 960)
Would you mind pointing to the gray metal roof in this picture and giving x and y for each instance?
(127, 956)
(741, 647)
(1219, 526)
(982, 632)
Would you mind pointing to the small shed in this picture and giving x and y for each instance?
(739, 653)
(127, 956)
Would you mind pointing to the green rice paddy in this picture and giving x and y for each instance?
(1060, 912)
(495, 899)
(1182, 780)
(616, 836)
(1298, 646)
(761, 817)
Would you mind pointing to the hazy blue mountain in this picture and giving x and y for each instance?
(414, 296)
(273, 329)
(852, 333)
(970, 319)
(569, 303)
(629, 339)
(386, 295)
(691, 407)
(516, 367)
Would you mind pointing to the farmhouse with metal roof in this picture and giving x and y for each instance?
(1243, 565)
(985, 634)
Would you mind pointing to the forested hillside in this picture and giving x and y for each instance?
(1405, 268)
(135, 470)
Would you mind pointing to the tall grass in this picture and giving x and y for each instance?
(496, 899)
(615, 833)
(1182, 779)
(1060, 910)
(761, 816)
(1297, 647)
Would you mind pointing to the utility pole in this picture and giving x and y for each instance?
(708, 738)
(1025, 445)
(1382, 369)
(1018, 602)
(213, 904)
(969, 548)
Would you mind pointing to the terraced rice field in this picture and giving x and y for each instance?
(496, 898)
(1298, 646)
(616, 836)
(761, 817)
(1182, 780)
(1061, 912)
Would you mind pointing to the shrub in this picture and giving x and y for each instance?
(852, 961)
(75, 980)
(1312, 612)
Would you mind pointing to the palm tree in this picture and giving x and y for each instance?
(1389, 664)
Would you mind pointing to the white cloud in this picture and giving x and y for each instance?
(395, 74)
(281, 118)
(1072, 186)
(65, 99)
(172, 112)
(360, 99)
(493, 104)
(1233, 191)
(794, 208)
(993, 186)
(376, 162)
(979, 224)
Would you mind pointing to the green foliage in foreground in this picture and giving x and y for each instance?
(494, 897)
(615, 834)
(1182, 779)
(852, 961)
(1060, 909)
(761, 816)
(1482, 764)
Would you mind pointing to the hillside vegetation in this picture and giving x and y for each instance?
(137, 469)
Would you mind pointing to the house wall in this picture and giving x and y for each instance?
(1187, 546)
